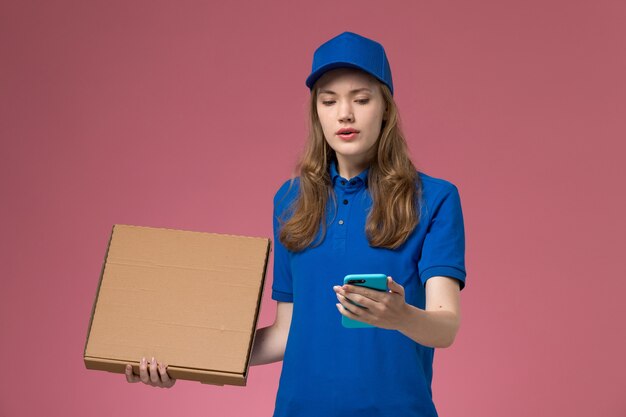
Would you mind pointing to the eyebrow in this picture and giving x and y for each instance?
(324, 91)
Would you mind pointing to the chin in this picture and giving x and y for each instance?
(351, 149)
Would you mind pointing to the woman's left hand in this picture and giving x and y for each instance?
(381, 309)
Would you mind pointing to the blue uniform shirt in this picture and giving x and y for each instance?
(329, 370)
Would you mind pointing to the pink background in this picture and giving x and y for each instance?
(190, 115)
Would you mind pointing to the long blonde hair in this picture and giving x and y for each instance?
(393, 184)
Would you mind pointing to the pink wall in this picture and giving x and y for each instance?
(189, 115)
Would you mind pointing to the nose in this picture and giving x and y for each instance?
(345, 112)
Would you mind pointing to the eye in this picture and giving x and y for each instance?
(328, 102)
(363, 101)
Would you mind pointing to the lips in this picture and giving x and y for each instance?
(347, 134)
(347, 131)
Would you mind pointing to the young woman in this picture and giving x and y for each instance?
(358, 206)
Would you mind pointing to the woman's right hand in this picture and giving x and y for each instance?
(153, 374)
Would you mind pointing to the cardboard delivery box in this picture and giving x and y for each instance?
(190, 299)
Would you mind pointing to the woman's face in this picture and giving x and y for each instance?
(350, 99)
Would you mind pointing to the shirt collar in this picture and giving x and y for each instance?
(334, 176)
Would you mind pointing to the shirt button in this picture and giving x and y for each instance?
(343, 182)
(345, 201)
(340, 221)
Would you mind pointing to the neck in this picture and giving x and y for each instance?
(350, 167)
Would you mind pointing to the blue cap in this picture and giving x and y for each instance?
(353, 51)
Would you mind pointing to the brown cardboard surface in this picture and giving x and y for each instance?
(190, 299)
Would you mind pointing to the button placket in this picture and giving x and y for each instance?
(342, 216)
(344, 207)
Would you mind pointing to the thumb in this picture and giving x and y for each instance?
(394, 286)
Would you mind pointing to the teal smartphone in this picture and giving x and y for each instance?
(373, 281)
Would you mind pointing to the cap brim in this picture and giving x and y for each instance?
(317, 74)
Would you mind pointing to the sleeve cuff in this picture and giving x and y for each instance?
(282, 296)
(444, 271)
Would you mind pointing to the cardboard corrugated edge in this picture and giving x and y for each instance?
(203, 376)
(258, 309)
(95, 301)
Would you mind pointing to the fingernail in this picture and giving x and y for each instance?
(152, 361)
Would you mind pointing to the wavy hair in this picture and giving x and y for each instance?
(393, 184)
